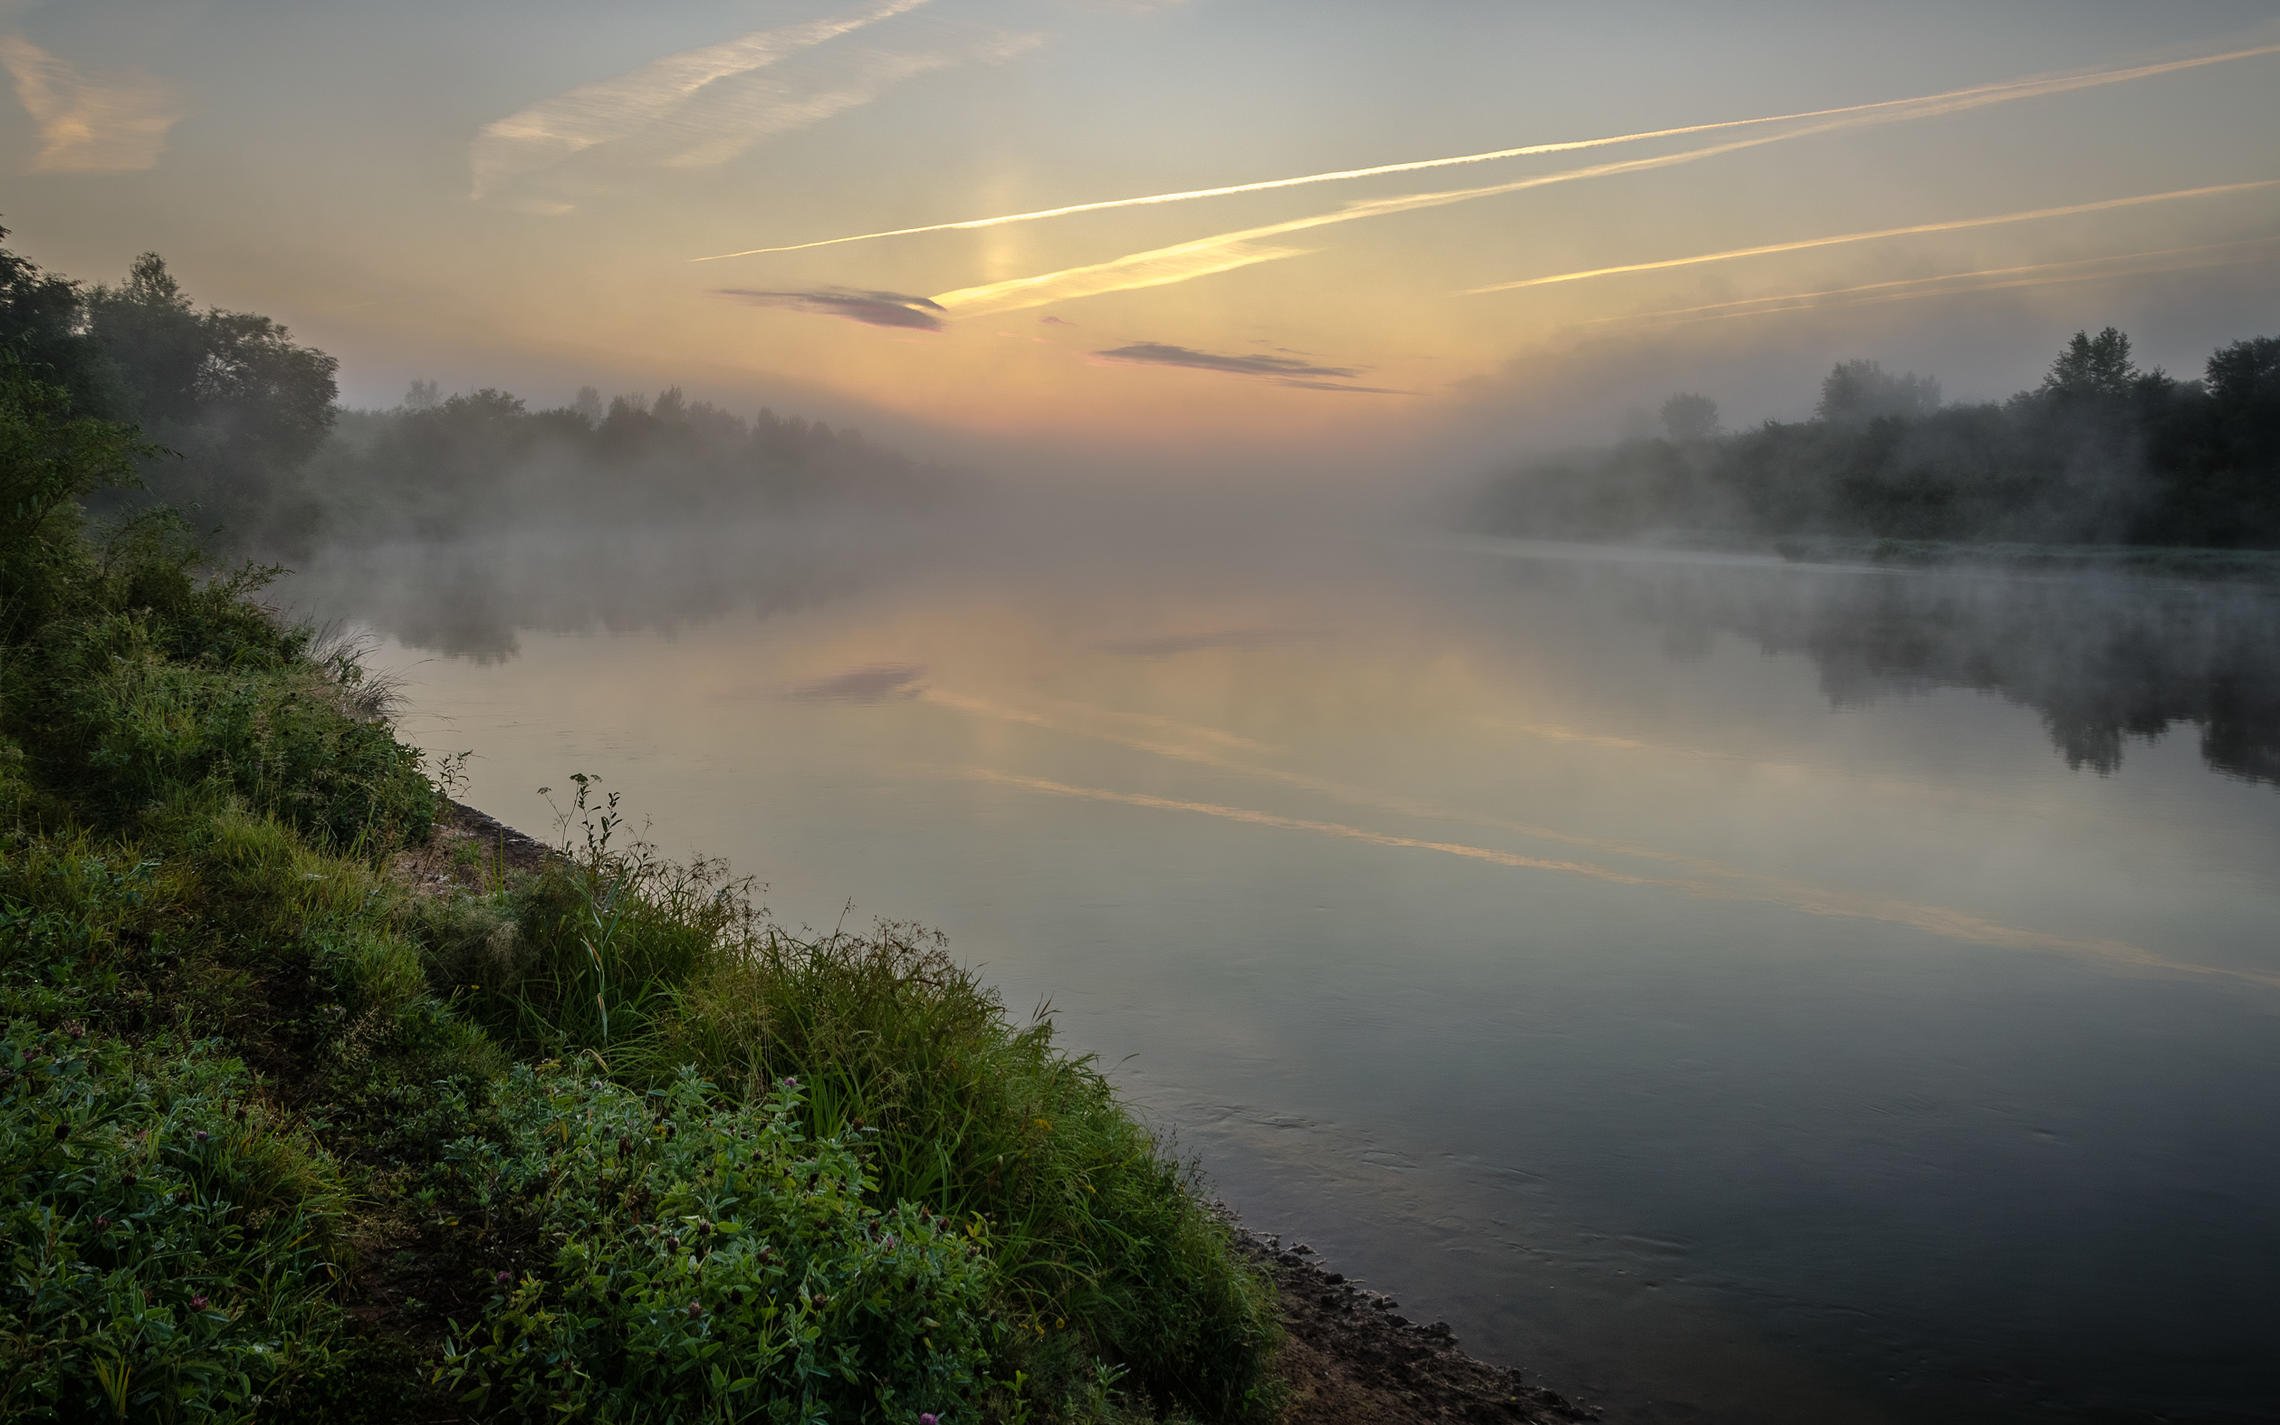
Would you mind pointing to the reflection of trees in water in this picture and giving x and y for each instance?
(475, 598)
(2102, 659)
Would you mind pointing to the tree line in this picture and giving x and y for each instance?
(2101, 452)
(250, 441)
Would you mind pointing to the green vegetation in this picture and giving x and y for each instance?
(2100, 454)
(287, 1132)
(249, 443)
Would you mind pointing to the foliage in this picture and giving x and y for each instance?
(680, 1260)
(210, 970)
(1688, 417)
(1857, 392)
(172, 1245)
(1101, 1247)
(2102, 452)
(484, 460)
(247, 441)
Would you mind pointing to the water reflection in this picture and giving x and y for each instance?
(1601, 953)
(2103, 659)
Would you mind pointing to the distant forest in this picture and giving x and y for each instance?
(2101, 452)
(250, 443)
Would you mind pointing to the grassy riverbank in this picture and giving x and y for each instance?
(296, 1122)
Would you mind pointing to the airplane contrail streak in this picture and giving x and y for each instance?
(2102, 205)
(1975, 96)
(1941, 921)
(1740, 305)
(1224, 252)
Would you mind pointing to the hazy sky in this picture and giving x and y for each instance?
(512, 194)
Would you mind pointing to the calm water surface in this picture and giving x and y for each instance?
(1734, 991)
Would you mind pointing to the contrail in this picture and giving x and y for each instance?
(570, 123)
(1224, 252)
(1999, 92)
(2103, 205)
(2033, 274)
(1244, 247)
(1941, 921)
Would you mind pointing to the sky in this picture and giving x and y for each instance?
(1467, 223)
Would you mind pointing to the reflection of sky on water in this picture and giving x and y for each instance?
(1555, 948)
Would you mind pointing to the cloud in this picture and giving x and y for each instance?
(1157, 353)
(734, 115)
(1882, 110)
(871, 683)
(2103, 205)
(2112, 267)
(1347, 387)
(1157, 267)
(1244, 247)
(1165, 645)
(1288, 371)
(877, 309)
(115, 122)
(699, 106)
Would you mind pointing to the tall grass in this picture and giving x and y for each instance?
(1101, 1247)
(253, 1087)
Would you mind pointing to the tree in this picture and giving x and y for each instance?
(1857, 392)
(2093, 367)
(237, 401)
(2244, 432)
(2244, 378)
(1688, 418)
(43, 326)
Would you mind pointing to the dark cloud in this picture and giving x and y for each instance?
(1164, 645)
(876, 309)
(1289, 370)
(1350, 390)
(1055, 322)
(1157, 353)
(872, 683)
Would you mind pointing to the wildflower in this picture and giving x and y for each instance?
(696, 1309)
(200, 1135)
(503, 1278)
(928, 1417)
(197, 1303)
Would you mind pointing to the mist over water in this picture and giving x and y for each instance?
(1732, 988)
(1622, 662)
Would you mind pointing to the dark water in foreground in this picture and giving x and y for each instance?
(1734, 991)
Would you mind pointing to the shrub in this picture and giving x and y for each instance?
(171, 1245)
(1103, 1251)
(1095, 1231)
(129, 727)
(681, 1261)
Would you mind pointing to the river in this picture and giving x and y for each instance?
(1732, 990)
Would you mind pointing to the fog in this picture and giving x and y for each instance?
(1673, 865)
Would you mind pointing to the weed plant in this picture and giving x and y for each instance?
(255, 1088)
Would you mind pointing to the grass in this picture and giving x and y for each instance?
(283, 1137)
